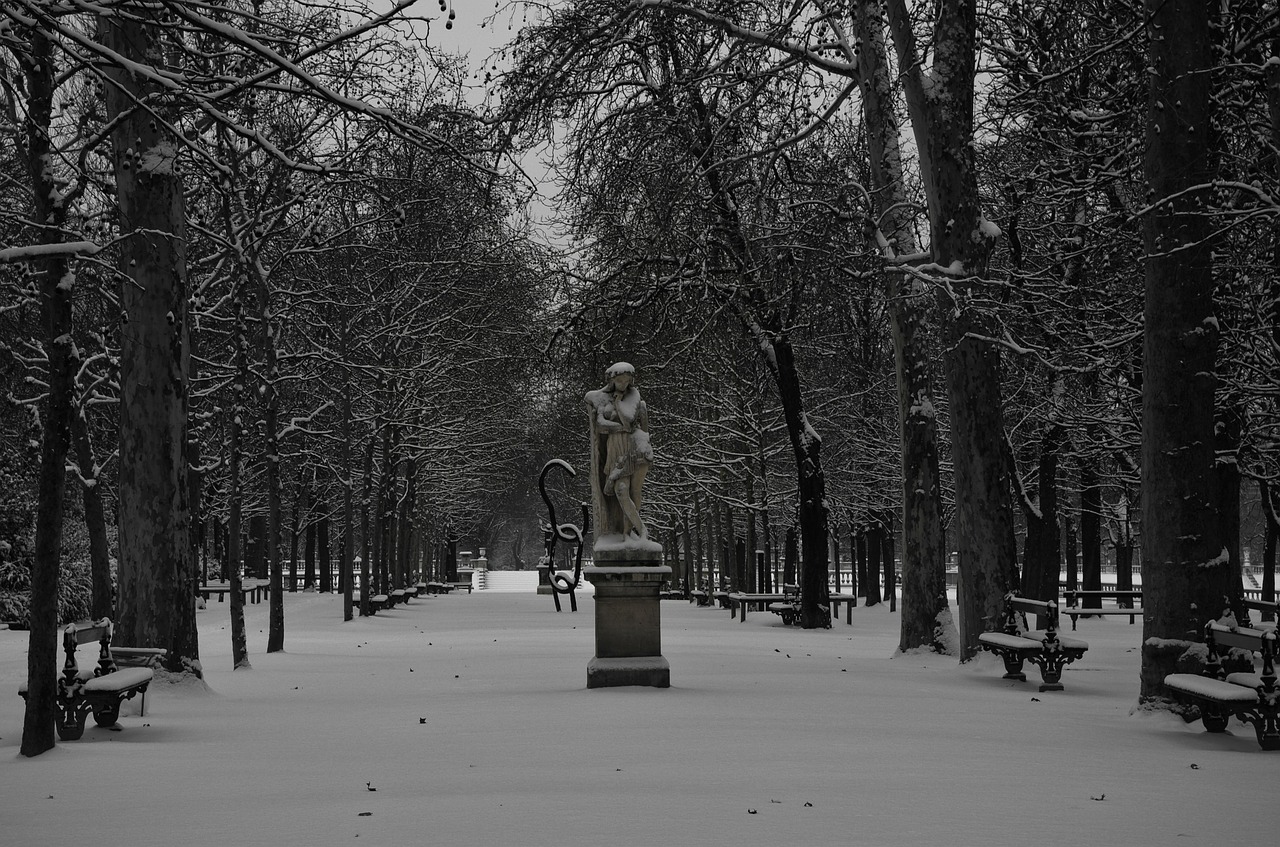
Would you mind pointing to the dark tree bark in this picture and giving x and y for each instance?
(156, 603)
(961, 242)
(1071, 552)
(924, 578)
(857, 567)
(1184, 571)
(1090, 531)
(1270, 500)
(1042, 554)
(95, 517)
(55, 288)
(233, 566)
(791, 557)
(890, 571)
(873, 535)
(326, 555)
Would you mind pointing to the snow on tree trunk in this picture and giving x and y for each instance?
(1185, 570)
(235, 494)
(941, 110)
(271, 462)
(924, 589)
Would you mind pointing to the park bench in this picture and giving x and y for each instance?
(740, 601)
(1267, 607)
(1123, 604)
(1015, 643)
(248, 592)
(849, 601)
(788, 608)
(1221, 693)
(98, 691)
(700, 597)
(462, 586)
(377, 602)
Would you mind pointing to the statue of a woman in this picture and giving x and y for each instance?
(620, 458)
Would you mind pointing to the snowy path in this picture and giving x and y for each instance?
(826, 735)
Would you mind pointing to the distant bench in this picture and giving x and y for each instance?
(740, 601)
(788, 608)
(444, 587)
(1122, 604)
(850, 600)
(1220, 694)
(248, 593)
(1267, 607)
(377, 602)
(1015, 644)
(99, 691)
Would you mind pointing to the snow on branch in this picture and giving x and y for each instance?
(44, 251)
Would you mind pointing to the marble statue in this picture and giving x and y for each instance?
(620, 458)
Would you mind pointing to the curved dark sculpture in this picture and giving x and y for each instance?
(572, 533)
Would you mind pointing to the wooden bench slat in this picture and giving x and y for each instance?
(1210, 689)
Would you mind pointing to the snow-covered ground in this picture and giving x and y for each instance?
(465, 720)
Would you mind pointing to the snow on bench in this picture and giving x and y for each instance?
(1015, 644)
(101, 691)
(1249, 696)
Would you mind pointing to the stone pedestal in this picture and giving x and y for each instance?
(628, 625)
(544, 578)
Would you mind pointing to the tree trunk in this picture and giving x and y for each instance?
(233, 566)
(55, 286)
(704, 581)
(295, 533)
(1090, 531)
(1271, 518)
(1226, 495)
(790, 557)
(1042, 554)
(309, 554)
(873, 535)
(1071, 553)
(1185, 570)
(810, 487)
(925, 615)
(857, 567)
(271, 464)
(860, 555)
(407, 531)
(95, 518)
(366, 589)
(890, 571)
(961, 241)
(156, 602)
(325, 554)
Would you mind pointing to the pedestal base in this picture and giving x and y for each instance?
(653, 671)
(628, 626)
